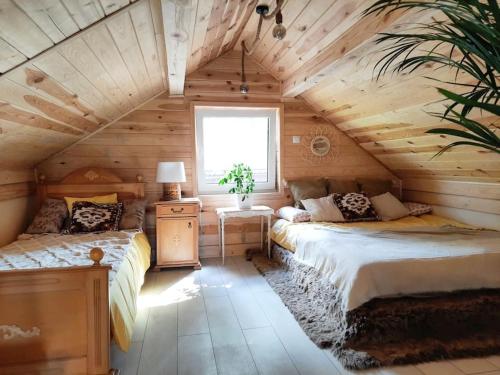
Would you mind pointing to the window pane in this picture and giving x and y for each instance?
(230, 140)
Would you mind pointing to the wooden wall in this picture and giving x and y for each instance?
(16, 202)
(471, 202)
(162, 130)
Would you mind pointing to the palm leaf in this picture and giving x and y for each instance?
(467, 40)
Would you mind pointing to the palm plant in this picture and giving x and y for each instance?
(471, 31)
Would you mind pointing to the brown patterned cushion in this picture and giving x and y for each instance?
(341, 186)
(355, 207)
(307, 189)
(50, 218)
(134, 211)
(372, 187)
(92, 217)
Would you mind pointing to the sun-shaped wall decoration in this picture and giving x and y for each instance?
(318, 145)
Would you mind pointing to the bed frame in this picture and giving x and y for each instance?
(57, 320)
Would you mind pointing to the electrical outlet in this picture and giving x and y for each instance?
(296, 139)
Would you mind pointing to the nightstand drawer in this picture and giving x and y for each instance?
(176, 210)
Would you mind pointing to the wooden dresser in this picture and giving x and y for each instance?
(177, 224)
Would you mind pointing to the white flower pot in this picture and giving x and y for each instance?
(246, 203)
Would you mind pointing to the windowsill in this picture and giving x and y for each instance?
(270, 194)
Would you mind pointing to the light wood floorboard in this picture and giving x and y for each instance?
(226, 319)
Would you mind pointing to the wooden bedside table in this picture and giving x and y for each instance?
(177, 233)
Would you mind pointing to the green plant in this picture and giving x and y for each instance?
(466, 40)
(242, 177)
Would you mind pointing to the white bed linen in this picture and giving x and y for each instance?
(364, 264)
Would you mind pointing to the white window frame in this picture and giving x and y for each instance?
(233, 111)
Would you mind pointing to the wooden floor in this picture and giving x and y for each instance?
(226, 319)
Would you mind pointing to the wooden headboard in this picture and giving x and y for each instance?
(87, 182)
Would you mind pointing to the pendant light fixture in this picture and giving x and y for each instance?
(279, 32)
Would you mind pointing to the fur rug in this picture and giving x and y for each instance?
(391, 331)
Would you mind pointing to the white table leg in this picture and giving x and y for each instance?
(269, 236)
(261, 233)
(222, 239)
(219, 234)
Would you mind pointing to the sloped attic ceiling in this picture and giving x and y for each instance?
(328, 57)
(71, 67)
(73, 85)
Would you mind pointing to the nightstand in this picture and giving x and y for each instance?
(177, 233)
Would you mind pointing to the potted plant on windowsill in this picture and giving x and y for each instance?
(241, 175)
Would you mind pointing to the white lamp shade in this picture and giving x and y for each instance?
(170, 172)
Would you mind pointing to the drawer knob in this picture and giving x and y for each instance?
(177, 211)
(189, 225)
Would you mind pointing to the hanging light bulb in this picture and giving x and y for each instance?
(244, 88)
(279, 31)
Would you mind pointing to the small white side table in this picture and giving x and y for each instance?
(228, 212)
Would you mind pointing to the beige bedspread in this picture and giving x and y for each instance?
(127, 252)
(365, 263)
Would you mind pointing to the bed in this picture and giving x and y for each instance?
(61, 306)
(385, 293)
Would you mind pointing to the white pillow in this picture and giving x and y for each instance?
(388, 207)
(295, 215)
(323, 209)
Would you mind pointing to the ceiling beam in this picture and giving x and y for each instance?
(324, 64)
(178, 21)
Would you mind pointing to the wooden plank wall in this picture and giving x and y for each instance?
(162, 130)
(472, 202)
(16, 194)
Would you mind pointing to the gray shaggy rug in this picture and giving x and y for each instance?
(392, 331)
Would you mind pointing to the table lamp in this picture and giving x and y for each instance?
(170, 173)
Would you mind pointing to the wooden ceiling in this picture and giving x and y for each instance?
(328, 57)
(78, 65)
(71, 67)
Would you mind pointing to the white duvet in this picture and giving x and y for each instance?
(365, 264)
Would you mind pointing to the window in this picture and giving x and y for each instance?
(229, 135)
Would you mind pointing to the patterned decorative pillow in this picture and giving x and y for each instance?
(294, 215)
(50, 218)
(92, 217)
(355, 207)
(134, 211)
(417, 209)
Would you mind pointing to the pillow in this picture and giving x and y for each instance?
(355, 207)
(134, 211)
(307, 189)
(372, 187)
(50, 218)
(388, 207)
(341, 186)
(295, 215)
(417, 209)
(323, 209)
(110, 198)
(92, 217)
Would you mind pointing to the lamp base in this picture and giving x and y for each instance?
(171, 192)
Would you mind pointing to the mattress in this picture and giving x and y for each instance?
(127, 252)
(386, 259)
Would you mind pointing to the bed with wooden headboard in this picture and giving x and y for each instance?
(57, 320)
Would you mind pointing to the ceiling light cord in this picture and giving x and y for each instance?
(278, 35)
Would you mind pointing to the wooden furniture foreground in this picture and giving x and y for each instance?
(57, 320)
(261, 211)
(177, 233)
